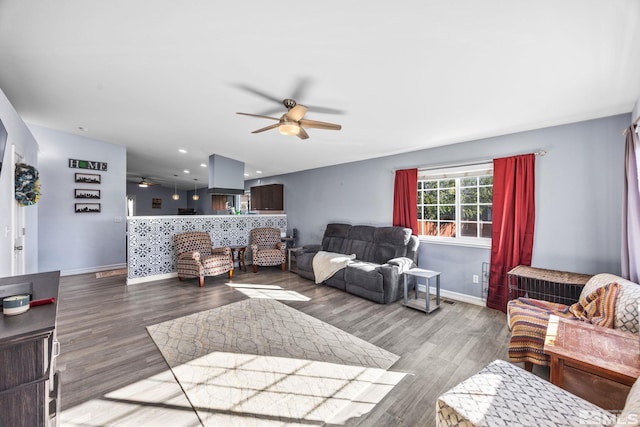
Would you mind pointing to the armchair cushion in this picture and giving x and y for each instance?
(627, 303)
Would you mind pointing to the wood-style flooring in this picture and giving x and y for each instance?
(105, 346)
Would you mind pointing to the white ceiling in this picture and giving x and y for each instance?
(160, 75)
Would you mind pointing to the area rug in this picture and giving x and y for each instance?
(259, 362)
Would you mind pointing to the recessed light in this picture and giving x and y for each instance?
(186, 171)
(258, 171)
(202, 165)
(246, 174)
(182, 150)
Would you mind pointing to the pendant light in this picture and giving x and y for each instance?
(195, 190)
(175, 196)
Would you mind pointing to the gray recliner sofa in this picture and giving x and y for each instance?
(382, 255)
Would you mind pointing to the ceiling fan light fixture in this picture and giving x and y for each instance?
(289, 128)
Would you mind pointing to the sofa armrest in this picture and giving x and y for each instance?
(403, 263)
(308, 249)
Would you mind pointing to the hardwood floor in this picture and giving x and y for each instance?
(105, 346)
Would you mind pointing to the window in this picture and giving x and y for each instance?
(455, 203)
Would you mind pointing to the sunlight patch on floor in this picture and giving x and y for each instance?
(239, 389)
(154, 401)
(268, 292)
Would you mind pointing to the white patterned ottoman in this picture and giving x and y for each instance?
(503, 394)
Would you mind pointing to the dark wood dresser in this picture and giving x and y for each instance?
(29, 385)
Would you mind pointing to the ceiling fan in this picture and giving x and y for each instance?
(146, 183)
(293, 122)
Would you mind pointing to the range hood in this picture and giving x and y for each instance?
(226, 176)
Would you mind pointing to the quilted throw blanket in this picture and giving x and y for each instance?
(529, 318)
(326, 264)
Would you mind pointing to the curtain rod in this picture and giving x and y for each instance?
(540, 153)
(635, 123)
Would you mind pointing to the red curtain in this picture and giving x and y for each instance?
(513, 223)
(405, 199)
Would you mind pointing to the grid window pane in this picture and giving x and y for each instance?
(486, 194)
(469, 182)
(469, 212)
(447, 196)
(486, 180)
(469, 229)
(485, 230)
(447, 212)
(469, 195)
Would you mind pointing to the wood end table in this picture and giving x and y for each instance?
(241, 250)
(596, 363)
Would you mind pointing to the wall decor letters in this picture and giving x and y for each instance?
(87, 164)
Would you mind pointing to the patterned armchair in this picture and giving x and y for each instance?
(195, 256)
(267, 248)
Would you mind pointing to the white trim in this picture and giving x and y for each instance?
(483, 243)
(469, 299)
(73, 272)
(145, 279)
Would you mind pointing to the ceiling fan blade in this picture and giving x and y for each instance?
(296, 113)
(325, 110)
(319, 125)
(302, 134)
(259, 93)
(273, 126)
(259, 115)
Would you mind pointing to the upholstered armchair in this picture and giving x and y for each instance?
(605, 300)
(195, 257)
(267, 248)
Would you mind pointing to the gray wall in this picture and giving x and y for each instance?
(18, 136)
(578, 198)
(144, 198)
(80, 242)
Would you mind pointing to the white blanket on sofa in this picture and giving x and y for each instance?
(326, 264)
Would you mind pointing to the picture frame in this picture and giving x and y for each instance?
(156, 203)
(86, 193)
(88, 178)
(87, 208)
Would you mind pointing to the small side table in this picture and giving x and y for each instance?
(241, 250)
(291, 252)
(605, 361)
(419, 303)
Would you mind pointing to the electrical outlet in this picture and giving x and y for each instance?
(476, 278)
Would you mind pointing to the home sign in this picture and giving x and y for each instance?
(87, 164)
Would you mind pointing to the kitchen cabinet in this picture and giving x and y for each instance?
(267, 197)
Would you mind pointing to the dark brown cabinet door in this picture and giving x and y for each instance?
(267, 197)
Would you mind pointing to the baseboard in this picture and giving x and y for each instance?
(457, 296)
(151, 278)
(96, 269)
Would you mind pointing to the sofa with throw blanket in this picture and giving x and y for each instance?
(606, 300)
(362, 260)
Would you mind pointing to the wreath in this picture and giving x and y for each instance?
(27, 184)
